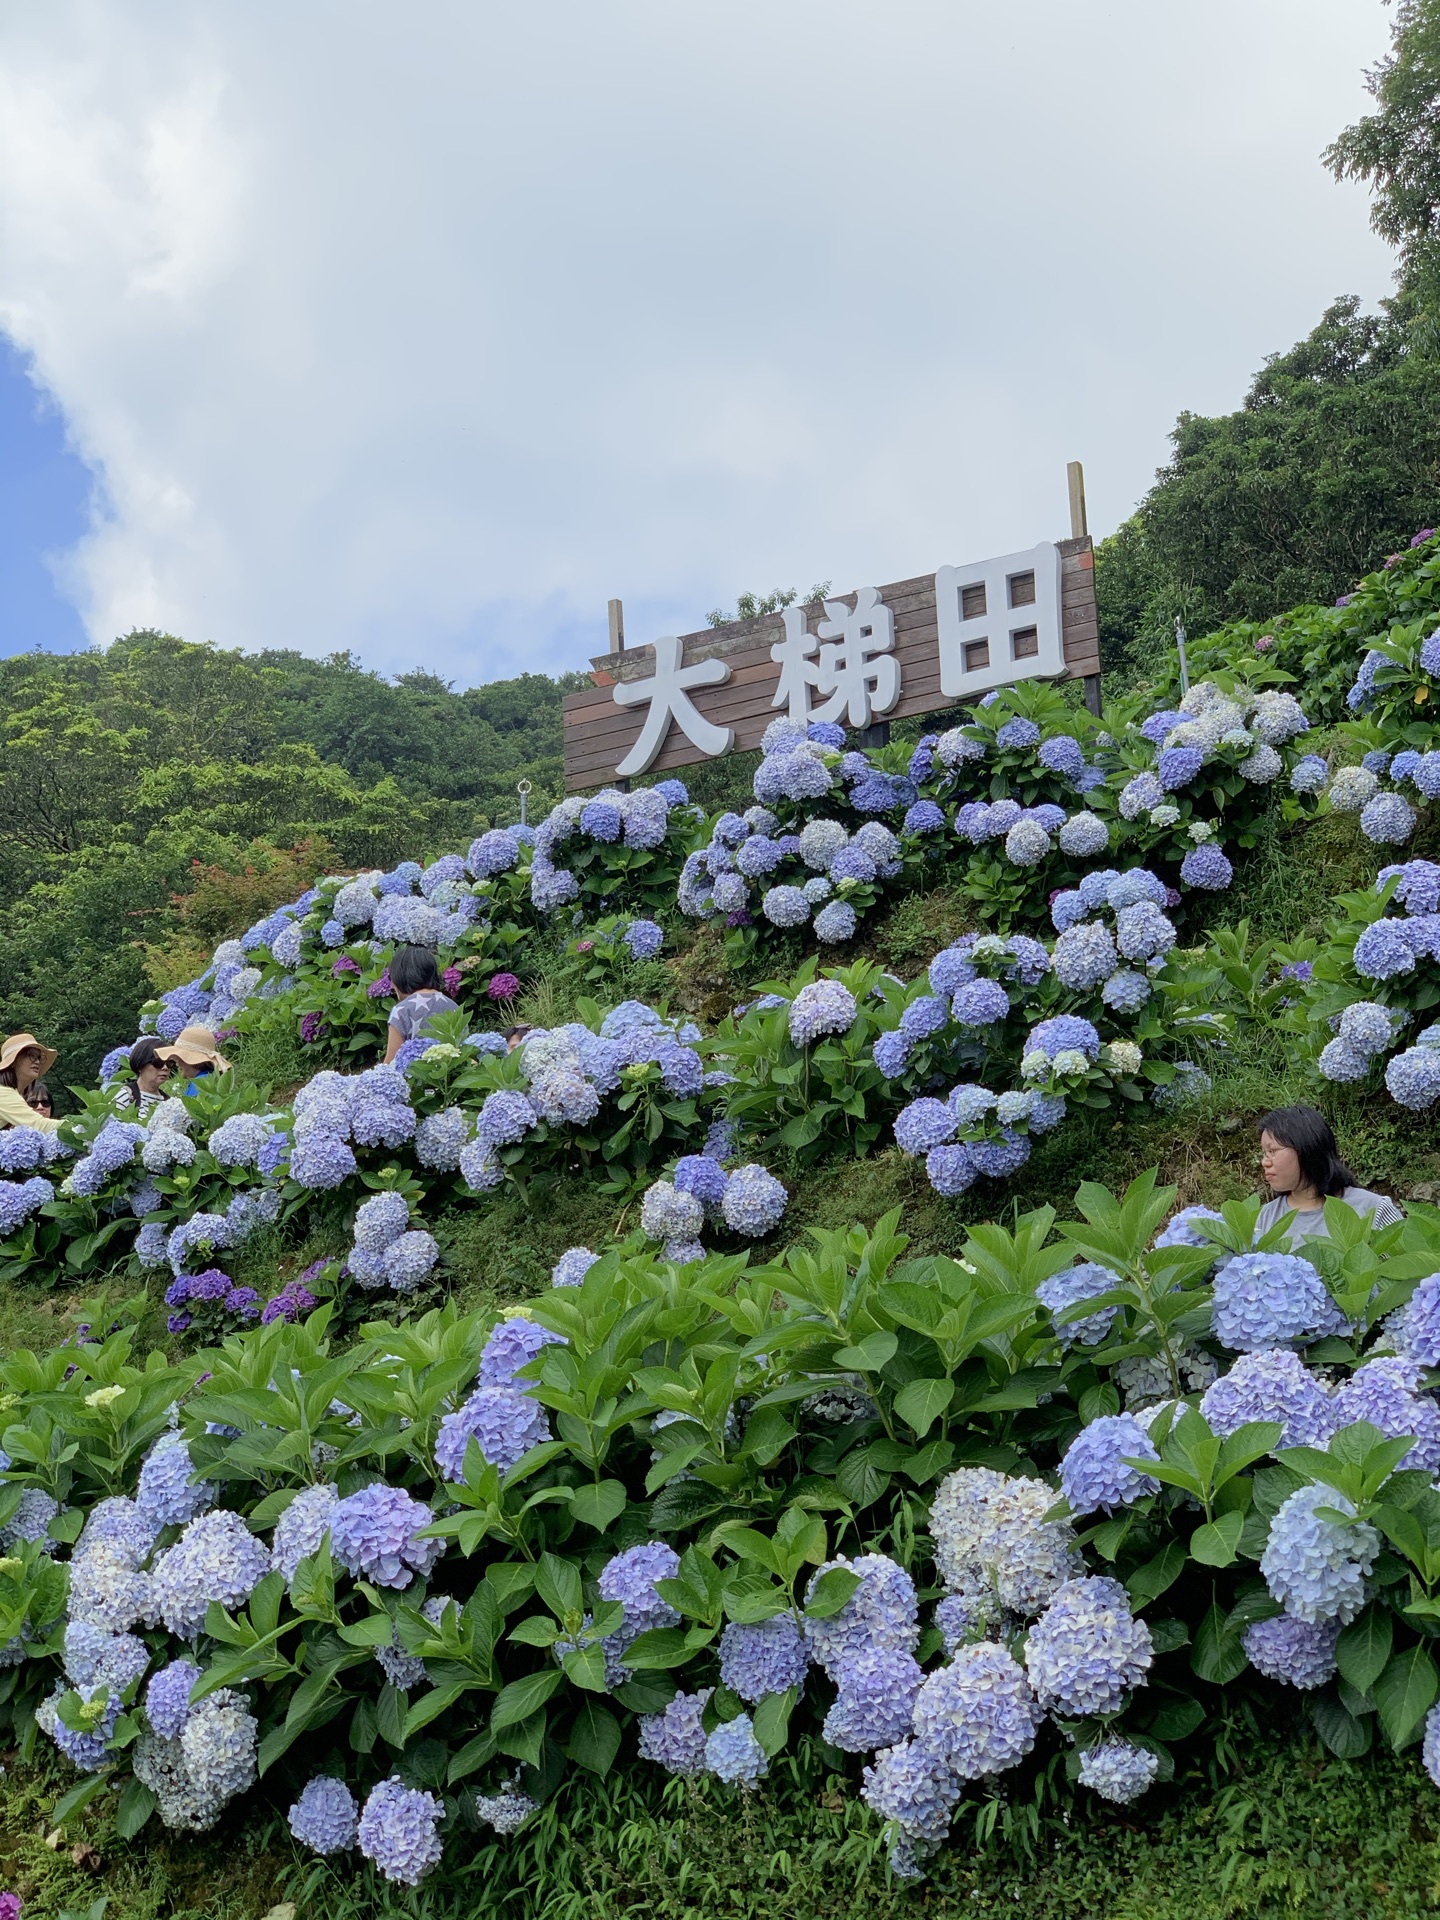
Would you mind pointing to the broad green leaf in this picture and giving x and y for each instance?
(523, 1697)
(1364, 1648)
(594, 1739)
(921, 1404)
(830, 1592)
(869, 1355)
(1147, 1583)
(772, 1719)
(137, 1803)
(1405, 1693)
(1347, 1735)
(557, 1582)
(1216, 1543)
(1218, 1654)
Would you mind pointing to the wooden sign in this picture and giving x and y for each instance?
(880, 654)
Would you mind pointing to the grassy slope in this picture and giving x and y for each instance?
(1279, 1828)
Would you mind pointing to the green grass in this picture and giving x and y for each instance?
(1274, 1826)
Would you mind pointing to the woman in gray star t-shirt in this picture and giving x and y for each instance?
(1300, 1159)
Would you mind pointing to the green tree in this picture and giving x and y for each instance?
(1396, 150)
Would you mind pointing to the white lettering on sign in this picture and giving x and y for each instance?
(856, 675)
(667, 694)
(999, 621)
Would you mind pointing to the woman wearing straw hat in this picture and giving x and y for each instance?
(22, 1061)
(195, 1048)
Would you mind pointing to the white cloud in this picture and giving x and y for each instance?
(424, 332)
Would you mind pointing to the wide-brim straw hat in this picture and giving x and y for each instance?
(16, 1045)
(195, 1047)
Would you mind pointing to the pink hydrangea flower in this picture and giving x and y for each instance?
(503, 986)
(450, 980)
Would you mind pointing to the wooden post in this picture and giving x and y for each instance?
(1079, 530)
(877, 734)
(616, 610)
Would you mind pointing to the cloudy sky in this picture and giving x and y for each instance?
(424, 331)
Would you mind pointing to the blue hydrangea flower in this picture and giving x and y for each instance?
(1018, 732)
(1271, 1300)
(1385, 1391)
(754, 1202)
(1118, 1770)
(1430, 1747)
(505, 1423)
(167, 1698)
(979, 1003)
(301, 1528)
(1271, 1384)
(1299, 1653)
(924, 1016)
(1087, 1652)
(978, 1714)
(767, 1656)
(914, 1785)
(1413, 1078)
(165, 1497)
(702, 1175)
(373, 1534)
(1084, 956)
(1178, 766)
(835, 923)
(1142, 931)
(822, 1007)
(924, 817)
(1206, 867)
(924, 1124)
(675, 1739)
(1311, 774)
(1067, 1289)
(877, 1691)
(1065, 1033)
(1126, 991)
(396, 1831)
(572, 1266)
(1388, 819)
(1382, 951)
(734, 1755)
(325, 1817)
(1415, 1328)
(882, 1612)
(512, 1344)
(1094, 1474)
(216, 1558)
(1316, 1568)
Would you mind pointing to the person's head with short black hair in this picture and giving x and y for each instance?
(38, 1096)
(150, 1063)
(515, 1033)
(146, 1053)
(413, 970)
(1300, 1151)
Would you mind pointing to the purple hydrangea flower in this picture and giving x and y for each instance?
(767, 1656)
(396, 1831)
(504, 1423)
(373, 1534)
(325, 1817)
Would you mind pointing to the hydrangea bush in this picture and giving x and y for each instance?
(407, 1582)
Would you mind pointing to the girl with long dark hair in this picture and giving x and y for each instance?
(1300, 1159)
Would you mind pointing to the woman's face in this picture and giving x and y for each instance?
(27, 1067)
(1280, 1165)
(150, 1079)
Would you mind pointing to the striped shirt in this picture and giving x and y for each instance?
(1310, 1221)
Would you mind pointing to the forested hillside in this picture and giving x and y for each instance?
(156, 793)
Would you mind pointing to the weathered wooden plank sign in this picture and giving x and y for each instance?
(880, 654)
